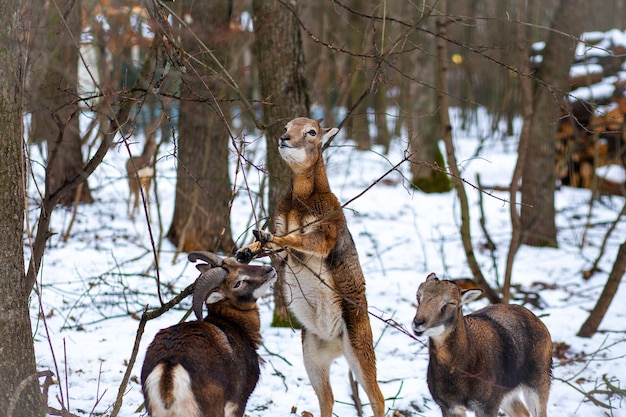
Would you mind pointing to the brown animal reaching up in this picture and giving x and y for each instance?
(483, 361)
(140, 171)
(324, 286)
(210, 366)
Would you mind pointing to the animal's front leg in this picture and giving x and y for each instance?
(248, 252)
(317, 242)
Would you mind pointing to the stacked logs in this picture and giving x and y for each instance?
(592, 131)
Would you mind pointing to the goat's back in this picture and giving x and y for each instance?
(217, 363)
(513, 337)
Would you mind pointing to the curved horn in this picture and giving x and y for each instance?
(207, 257)
(205, 283)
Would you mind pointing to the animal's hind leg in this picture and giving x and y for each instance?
(318, 354)
(362, 361)
(513, 406)
(537, 399)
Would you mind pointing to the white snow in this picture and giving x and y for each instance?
(94, 287)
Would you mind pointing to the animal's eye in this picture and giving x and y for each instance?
(237, 284)
(312, 132)
(451, 305)
(285, 128)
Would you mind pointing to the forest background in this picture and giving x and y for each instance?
(205, 76)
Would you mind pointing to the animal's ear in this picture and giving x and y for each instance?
(432, 276)
(328, 133)
(470, 295)
(214, 297)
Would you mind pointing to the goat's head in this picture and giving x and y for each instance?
(300, 145)
(225, 278)
(439, 306)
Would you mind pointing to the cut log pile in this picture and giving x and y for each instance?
(592, 131)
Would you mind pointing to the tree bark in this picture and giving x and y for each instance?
(357, 124)
(419, 105)
(538, 176)
(279, 53)
(592, 323)
(283, 87)
(16, 341)
(201, 218)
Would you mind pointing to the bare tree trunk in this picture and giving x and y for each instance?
(592, 323)
(420, 109)
(55, 117)
(16, 341)
(357, 124)
(380, 114)
(523, 65)
(280, 59)
(446, 133)
(203, 189)
(538, 176)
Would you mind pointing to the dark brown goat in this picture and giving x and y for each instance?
(209, 367)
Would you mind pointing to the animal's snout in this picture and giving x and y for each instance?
(418, 326)
(283, 139)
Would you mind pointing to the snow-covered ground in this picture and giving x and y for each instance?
(94, 286)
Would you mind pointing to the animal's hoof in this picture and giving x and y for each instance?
(244, 255)
(261, 236)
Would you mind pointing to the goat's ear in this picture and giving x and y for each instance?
(432, 277)
(470, 295)
(328, 133)
(214, 297)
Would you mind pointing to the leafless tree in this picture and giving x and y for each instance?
(203, 189)
(18, 365)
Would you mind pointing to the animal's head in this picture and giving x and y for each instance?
(226, 279)
(439, 306)
(300, 145)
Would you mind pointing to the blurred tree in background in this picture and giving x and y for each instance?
(201, 212)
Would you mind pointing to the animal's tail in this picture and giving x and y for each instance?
(168, 392)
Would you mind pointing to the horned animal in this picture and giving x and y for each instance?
(140, 171)
(483, 361)
(210, 366)
(324, 285)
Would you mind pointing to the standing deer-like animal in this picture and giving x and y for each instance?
(140, 171)
(483, 361)
(323, 285)
(209, 367)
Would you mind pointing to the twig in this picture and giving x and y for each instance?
(79, 191)
(491, 246)
(587, 395)
(355, 395)
(47, 330)
(612, 387)
(98, 395)
(594, 268)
